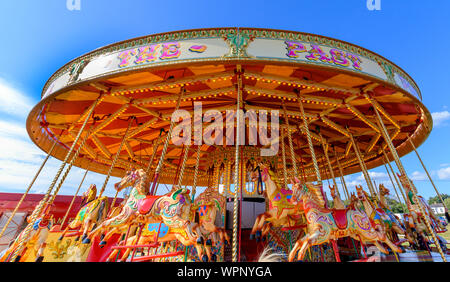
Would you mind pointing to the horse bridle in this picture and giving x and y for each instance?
(259, 184)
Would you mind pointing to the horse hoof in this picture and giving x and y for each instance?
(252, 236)
(213, 257)
(200, 240)
(258, 234)
(263, 238)
(102, 244)
(39, 259)
(76, 239)
(17, 258)
(86, 241)
(205, 258)
(102, 237)
(226, 243)
(258, 239)
(208, 242)
(83, 237)
(60, 238)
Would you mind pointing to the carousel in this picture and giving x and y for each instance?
(264, 123)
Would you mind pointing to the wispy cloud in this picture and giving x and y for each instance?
(444, 173)
(13, 101)
(440, 118)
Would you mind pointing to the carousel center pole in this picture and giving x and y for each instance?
(236, 167)
(166, 145)
(41, 204)
(429, 177)
(403, 171)
(26, 192)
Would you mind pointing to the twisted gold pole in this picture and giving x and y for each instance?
(26, 192)
(26, 233)
(197, 162)
(291, 144)
(237, 186)
(392, 182)
(363, 166)
(116, 157)
(325, 150)
(341, 174)
(74, 196)
(310, 144)
(183, 165)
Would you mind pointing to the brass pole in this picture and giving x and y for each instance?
(74, 196)
(308, 137)
(363, 167)
(392, 182)
(330, 168)
(341, 174)
(237, 185)
(116, 157)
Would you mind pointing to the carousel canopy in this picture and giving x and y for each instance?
(138, 83)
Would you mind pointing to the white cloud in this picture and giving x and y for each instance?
(13, 101)
(439, 118)
(444, 173)
(418, 176)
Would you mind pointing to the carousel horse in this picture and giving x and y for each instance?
(120, 222)
(380, 213)
(337, 202)
(174, 210)
(415, 220)
(330, 224)
(208, 205)
(281, 211)
(92, 212)
(37, 238)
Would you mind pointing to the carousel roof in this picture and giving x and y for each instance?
(144, 77)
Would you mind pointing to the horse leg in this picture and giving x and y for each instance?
(380, 247)
(255, 226)
(72, 225)
(394, 247)
(296, 247)
(308, 242)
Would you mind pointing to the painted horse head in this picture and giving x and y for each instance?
(89, 195)
(383, 190)
(333, 191)
(132, 178)
(360, 192)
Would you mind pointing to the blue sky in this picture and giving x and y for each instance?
(38, 37)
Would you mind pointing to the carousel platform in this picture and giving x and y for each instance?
(408, 256)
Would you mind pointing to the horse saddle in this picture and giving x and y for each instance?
(340, 218)
(146, 204)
